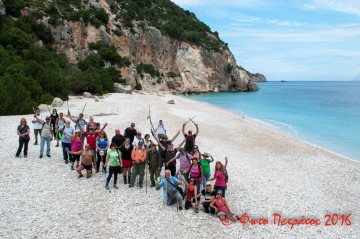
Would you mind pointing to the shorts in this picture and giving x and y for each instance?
(87, 167)
(126, 163)
(74, 157)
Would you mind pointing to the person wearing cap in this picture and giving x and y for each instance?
(205, 163)
(46, 136)
(161, 131)
(38, 121)
(59, 127)
(76, 146)
(209, 196)
(126, 150)
(153, 159)
(130, 132)
(138, 139)
(190, 137)
(66, 140)
(138, 156)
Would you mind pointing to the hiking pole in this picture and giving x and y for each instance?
(82, 112)
(48, 109)
(190, 119)
(146, 179)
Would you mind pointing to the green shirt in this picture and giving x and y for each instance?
(205, 163)
(113, 158)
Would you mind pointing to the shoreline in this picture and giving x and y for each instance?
(272, 127)
(269, 172)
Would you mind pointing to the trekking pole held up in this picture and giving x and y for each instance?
(82, 112)
(48, 109)
(146, 179)
(190, 119)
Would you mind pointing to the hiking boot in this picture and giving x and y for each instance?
(130, 186)
(48, 155)
(197, 210)
(140, 186)
(40, 156)
(17, 155)
(125, 182)
(116, 187)
(80, 176)
(107, 186)
(25, 156)
(57, 145)
(66, 162)
(180, 208)
(96, 171)
(36, 143)
(72, 167)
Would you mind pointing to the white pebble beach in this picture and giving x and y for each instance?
(269, 172)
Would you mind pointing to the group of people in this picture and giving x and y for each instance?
(133, 154)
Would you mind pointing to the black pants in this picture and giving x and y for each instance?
(100, 159)
(23, 142)
(207, 208)
(115, 171)
(172, 168)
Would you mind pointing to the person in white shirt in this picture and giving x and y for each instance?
(161, 131)
(137, 139)
(38, 121)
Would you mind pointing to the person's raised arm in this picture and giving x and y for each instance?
(226, 162)
(183, 128)
(106, 124)
(197, 128)
(157, 140)
(171, 160)
(182, 142)
(212, 158)
(175, 136)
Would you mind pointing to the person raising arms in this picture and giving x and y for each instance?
(190, 137)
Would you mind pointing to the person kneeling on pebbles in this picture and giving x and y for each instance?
(171, 194)
(192, 198)
(87, 160)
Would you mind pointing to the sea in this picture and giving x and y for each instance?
(324, 113)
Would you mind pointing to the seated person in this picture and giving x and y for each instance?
(192, 198)
(221, 208)
(171, 195)
(209, 196)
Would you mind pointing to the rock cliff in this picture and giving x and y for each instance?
(183, 67)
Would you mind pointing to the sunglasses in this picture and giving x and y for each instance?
(219, 193)
(195, 147)
(127, 141)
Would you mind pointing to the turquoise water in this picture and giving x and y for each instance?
(326, 114)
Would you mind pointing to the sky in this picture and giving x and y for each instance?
(287, 39)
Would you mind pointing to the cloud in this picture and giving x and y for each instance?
(246, 20)
(345, 6)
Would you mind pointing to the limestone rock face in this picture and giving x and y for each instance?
(183, 67)
(57, 102)
(120, 88)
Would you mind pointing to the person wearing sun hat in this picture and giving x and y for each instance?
(205, 163)
(153, 159)
(46, 136)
